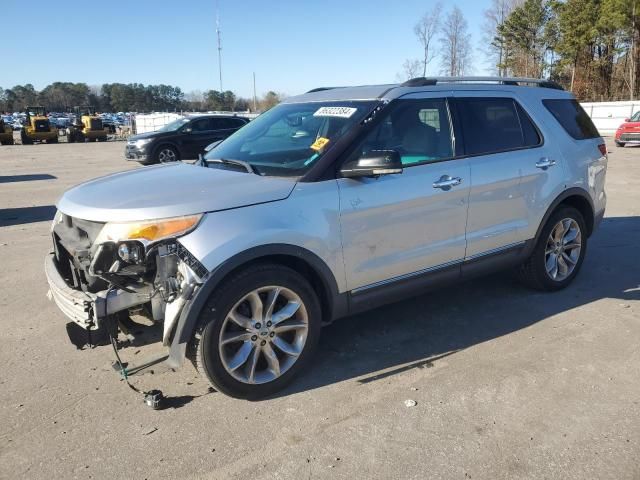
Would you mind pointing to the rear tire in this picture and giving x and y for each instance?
(272, 349)
(563, 238)
(53, 140)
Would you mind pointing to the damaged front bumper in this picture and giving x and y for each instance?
(87, 309)
(167, 279)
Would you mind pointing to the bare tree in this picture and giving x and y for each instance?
(492, 38)
(456, 44)
(410, 69)
(426, 29)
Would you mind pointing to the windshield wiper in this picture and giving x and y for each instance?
(246, 165)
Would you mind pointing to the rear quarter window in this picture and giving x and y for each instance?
(492, 125)
(572, 117)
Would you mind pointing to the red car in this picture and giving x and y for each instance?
(629, 131)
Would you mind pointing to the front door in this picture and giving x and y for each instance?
(399, 226)
(202, 134)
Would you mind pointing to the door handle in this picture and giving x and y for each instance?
(445, 182)
(545, 163)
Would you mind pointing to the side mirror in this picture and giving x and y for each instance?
(627, 120)
(373, 163)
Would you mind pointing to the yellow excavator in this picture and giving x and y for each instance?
(6, 133)
(86, 126)
(38, 127)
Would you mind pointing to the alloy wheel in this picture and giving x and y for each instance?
(562, 251)
(167, 155)
(263, 335)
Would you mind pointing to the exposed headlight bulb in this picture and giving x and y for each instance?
(130, 252)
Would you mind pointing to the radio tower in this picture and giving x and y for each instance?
(219, 43)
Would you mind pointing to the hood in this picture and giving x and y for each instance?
(169, 191)
(155, 134)
(630, 126)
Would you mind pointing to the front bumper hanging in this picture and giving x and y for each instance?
(87, 309)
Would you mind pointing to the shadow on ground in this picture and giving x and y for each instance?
(24, 215)
(26, 178)
(418, 332)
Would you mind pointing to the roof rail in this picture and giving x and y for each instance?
(539, 82)
(321, 89)
(419, 82)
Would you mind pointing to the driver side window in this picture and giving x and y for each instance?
(202, 125)
(419, 130)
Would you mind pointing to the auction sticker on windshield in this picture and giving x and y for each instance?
(319, 144)
(342, 112)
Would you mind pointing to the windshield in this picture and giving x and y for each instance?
(173, 126)
(636, 117)
(288, 139)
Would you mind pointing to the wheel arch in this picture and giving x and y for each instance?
(333, 303)
(166, 143)
(577, 198)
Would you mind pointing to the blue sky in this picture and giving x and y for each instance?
(292, 45)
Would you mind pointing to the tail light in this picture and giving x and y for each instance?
(603, 149)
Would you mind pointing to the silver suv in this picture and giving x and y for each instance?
(333, 202)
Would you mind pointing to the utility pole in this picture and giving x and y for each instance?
(255, 108)
(219, 43)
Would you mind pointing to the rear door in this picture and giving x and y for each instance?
(400, 227)
(509, 163)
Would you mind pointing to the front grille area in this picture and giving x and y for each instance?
(42, 125)
(96, 124)
(630, 137)
(72, 241)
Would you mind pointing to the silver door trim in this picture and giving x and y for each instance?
(435, 268)
(406, 276)
(495, 250)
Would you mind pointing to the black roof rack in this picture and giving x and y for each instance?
(513, 81)
(419, 82)
(321, 89)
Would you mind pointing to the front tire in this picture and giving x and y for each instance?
(620, 144)
(559, 252)
(24, 138)
(257, 332)
(166, 154)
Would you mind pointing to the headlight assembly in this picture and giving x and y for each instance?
(148, 231)
(142, 142)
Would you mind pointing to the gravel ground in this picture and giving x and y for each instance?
(505, 382)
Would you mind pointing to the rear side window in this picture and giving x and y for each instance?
(226, 123)
(493, 125)
(573, 118)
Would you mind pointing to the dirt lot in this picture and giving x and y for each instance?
(509, 383)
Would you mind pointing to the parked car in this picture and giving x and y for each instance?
(629, 131)
(332, 203)
(181, 139)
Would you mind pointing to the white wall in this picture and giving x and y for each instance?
(155, 121)
(608, 116)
